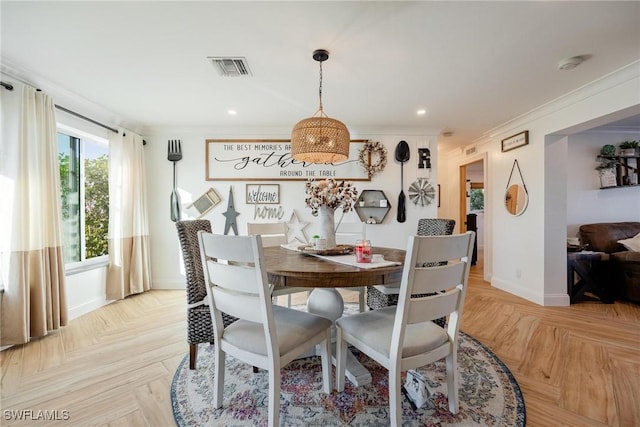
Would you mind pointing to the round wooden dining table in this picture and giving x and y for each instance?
(291, 268)
(296, 269)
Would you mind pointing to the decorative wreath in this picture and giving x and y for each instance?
(366, 157)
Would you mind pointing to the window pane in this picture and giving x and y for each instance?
(477, 199)
(96, 207)
(84, 171)
(69, 160)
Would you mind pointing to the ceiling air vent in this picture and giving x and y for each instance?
(230, 67)
(470, 150)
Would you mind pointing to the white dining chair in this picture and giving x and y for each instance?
(274, 234)
(348, 233)
(404, 337)
(266, 336)
(379, 296)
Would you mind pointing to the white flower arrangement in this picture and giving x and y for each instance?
(330, 193)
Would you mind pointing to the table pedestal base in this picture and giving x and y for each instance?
(328, 303)
(355, 372)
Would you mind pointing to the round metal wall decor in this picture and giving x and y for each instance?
(421, 192)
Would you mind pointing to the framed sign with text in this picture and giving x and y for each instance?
(270, 160)
(515, 141)
(263, 194)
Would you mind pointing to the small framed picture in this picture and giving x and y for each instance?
(515, 141)
(608, 178)
(263, 194)
(205, 203)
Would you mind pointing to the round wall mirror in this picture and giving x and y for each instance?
(516, 199)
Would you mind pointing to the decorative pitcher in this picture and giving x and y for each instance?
(326, 226)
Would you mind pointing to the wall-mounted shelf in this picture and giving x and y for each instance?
(625, 167)
(619, 186)
(372, 206)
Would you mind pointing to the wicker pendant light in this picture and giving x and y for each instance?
(320, 139)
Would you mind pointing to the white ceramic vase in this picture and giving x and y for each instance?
(326, 226)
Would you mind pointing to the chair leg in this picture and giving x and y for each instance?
(325, 356)
(218, 380)
(341, 359)
(395, 402)
(361, 299)
(452, 381)
(289, 300)
(274, 396)
(193, 353)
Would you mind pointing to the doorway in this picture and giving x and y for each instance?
(473, 194)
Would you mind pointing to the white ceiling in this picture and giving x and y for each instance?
(471, 65)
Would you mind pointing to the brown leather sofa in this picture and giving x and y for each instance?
(624, 264)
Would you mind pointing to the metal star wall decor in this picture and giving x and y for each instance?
(231, 215)
(295, 229)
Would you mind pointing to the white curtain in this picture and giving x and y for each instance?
(32, 267)
(129, 270)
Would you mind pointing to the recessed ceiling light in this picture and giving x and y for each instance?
(232, 112)
(571, 63)
(421, 112)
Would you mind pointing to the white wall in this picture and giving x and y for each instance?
(528, 253)
(165, 250)
(86, 291)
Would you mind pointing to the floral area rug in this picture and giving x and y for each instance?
(489, 394)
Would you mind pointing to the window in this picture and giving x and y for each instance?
(84, 188)
(477, 196)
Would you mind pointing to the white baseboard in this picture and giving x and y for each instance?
(516, 290)
(546, 300)
(168, 284)
(556, 300)
(86, 307)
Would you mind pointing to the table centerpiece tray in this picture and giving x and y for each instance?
(338, 250)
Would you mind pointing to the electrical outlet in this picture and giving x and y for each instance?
(518, 273)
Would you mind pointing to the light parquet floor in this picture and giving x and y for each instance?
(576, 366)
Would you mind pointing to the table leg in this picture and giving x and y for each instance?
(593, 276)
(328, 303)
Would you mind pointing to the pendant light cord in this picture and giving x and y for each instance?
(320, 89)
